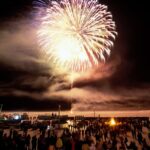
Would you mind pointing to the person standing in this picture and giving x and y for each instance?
(34, 142)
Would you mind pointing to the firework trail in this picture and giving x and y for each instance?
(75, 34)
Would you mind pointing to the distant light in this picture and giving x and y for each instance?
(5, 118)
(70, 122)
(48, 127)
(112, 122)
(16, 117)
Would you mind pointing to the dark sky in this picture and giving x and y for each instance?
(28, 83)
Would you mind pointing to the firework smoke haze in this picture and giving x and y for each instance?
(44, 61)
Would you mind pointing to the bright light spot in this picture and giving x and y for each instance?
(112, 122)
(68, 49)
(71, 111)
(48, 127)
(70, 122)
(16, 117)
(5, 118)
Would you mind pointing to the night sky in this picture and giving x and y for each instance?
(27, 82)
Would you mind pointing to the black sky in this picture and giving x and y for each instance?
(27, 83)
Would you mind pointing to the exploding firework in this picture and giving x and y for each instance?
(76, 34)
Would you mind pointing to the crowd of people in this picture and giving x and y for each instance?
(96, 135)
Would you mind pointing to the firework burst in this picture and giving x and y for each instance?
(75, 34)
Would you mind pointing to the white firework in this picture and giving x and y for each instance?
(76, 34)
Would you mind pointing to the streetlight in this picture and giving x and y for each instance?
(59, 109)
(94, 112)
(1, 108)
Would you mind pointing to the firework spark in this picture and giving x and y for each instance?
(76, 34)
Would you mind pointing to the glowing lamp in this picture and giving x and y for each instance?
(112, 122)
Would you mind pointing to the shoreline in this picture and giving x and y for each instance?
(139, 113)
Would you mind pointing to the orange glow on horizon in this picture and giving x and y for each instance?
(112, 122)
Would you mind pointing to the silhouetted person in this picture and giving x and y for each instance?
(34, 142)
